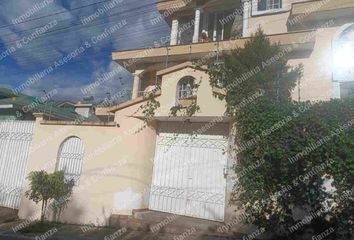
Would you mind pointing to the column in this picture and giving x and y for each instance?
(136, 84)
(174, 32)
(246, 16)
(196, 25)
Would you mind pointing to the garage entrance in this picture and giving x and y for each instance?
(188, 177)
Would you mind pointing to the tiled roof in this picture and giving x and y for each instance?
(7, 93)
(33, 105)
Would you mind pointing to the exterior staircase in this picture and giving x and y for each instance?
(159, 225)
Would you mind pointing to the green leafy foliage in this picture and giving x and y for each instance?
(50, 189)
(150, 107)
(188, 111)
(286, 150)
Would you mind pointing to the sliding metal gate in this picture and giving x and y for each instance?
(15, 142)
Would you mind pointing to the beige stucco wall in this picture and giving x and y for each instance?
(317, 83)
(209, 105)
(118, 162)
(272, 22)
(116, 170)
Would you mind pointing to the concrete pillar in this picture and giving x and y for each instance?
(136, 84)
(174, 32)
(196, 25)
(246, 16)
(215, 28)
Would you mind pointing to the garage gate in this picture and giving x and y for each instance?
(188, 177)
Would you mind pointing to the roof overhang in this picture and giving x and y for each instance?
(223, 119)
(130, 103)
(83, 105)
(187, 64)
(175, 5)
(140, 58)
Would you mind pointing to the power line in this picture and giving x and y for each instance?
(53, 14)
(132, 34)
(79, 24)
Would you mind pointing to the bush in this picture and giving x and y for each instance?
(50, 189)
(287, 150)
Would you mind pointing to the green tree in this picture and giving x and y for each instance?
(62, 191)
(276, 176)
(49, 188)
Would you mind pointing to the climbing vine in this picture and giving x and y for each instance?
(152, 105)
(287, 150)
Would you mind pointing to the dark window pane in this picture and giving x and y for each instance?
(262, 5)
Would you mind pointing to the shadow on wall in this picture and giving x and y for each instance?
(76, 210)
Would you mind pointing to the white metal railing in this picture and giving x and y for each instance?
(15, 142)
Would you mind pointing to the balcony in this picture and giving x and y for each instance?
(200, 52)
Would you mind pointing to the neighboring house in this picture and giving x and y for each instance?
(181, 164)
(22, 107)
(66, 104)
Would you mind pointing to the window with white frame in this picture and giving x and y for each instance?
(185, 88)
(264, 5)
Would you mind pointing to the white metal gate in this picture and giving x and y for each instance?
(15, 143)
(188, 177)
(70, 157)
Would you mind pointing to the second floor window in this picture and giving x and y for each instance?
(185, 88)
(264, 5)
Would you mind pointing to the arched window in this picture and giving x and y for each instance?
(185, 88)
(343, 60)
(70, 157)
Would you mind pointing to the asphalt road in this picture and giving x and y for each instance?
(10, 237)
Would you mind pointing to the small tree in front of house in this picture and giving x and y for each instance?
(49, 189)
(62, 191)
